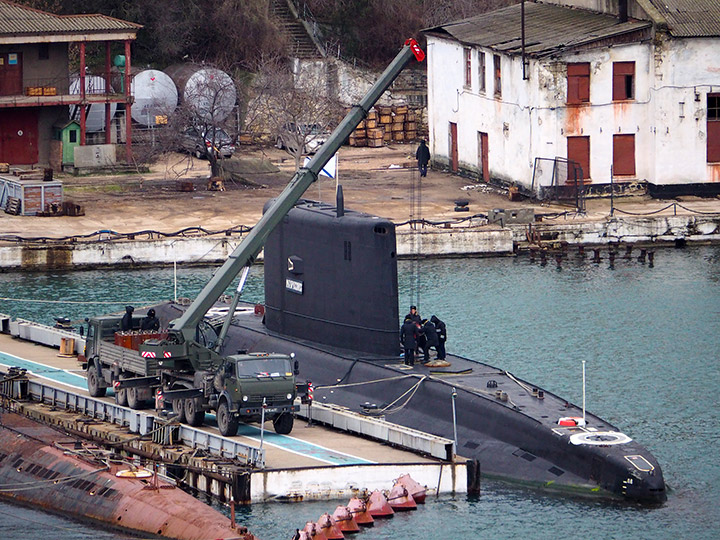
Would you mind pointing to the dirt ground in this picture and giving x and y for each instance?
(375, 180)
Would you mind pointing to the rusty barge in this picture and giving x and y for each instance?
(45, 468)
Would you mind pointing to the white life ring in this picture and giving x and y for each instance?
(600, 438)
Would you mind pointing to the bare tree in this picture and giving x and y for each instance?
(295, 107)
(204, 122)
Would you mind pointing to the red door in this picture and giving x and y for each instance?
(578, 150)
(623, 155)
(11, 75)
(19, 136)
(483, 155)
(453, 147)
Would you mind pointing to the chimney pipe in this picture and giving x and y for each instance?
(623, 9)
(339, 202)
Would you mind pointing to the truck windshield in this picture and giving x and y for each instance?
(264, 367)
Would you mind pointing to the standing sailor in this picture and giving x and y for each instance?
(431, 339)
(442, 336)
(408, 338)
(126, 323)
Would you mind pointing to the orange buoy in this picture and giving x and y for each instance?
(314, 531)
(400, 499)
(329, 528)
(359, 510)
(416, 490)
(344, 519)
(378, 506)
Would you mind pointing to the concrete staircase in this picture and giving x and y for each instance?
(300, 43)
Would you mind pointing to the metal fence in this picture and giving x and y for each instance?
(559, 179)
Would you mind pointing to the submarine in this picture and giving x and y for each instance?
(331, 298)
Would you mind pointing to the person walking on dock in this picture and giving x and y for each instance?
(423, 157)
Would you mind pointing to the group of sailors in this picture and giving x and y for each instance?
(149, 322)
(417, 333)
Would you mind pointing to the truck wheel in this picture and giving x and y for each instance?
(227, 423)
(121, 395)
(194, 413)
(133, 398)
(283, 424)
(93, 382)
(179, 409)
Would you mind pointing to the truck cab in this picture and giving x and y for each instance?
(254, 384)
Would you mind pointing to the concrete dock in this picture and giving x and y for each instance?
(314, 462)
(146, 220)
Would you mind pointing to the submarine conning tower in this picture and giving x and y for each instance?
(331, 278)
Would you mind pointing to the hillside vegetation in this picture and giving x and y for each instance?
(243, 33)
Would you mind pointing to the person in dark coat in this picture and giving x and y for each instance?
(408, 338)
(414, 315)
(431, 339)
(423, 158)
(442, 336)
(150, 322)
(126, 322)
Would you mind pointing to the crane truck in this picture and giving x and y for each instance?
(184, 365)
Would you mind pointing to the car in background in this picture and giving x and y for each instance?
(292, 135)
(214, 140)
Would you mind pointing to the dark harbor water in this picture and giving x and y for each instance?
(650, 338)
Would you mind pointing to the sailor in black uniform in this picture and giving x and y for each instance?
(431, 339)
(442, 336)
(408, 338)
(414, 316)
(126, 322)
(150, 322)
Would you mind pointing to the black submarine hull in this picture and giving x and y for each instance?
(331, 297)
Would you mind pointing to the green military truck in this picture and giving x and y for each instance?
(240, 387)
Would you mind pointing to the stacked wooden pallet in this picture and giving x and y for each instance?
(385, 124)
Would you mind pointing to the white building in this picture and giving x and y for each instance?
(627, 90)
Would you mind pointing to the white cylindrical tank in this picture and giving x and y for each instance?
(209, 91)
(95, 120)
(155, 97)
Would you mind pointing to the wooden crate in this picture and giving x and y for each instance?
(361, 125)
(360, 133)
(375, 143)
(376, 133)
(400, 109)
(386, 119)
(411, 117)
(410, 126)
(361, 142)
(398, 118)
(388, 136)
(384, 110)
(370, 124)
(398, 136)
(397, 127)
(372, 115)
(410, 135)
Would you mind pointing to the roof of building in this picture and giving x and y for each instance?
(686, 18)
(548, 29)
(17, 20)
